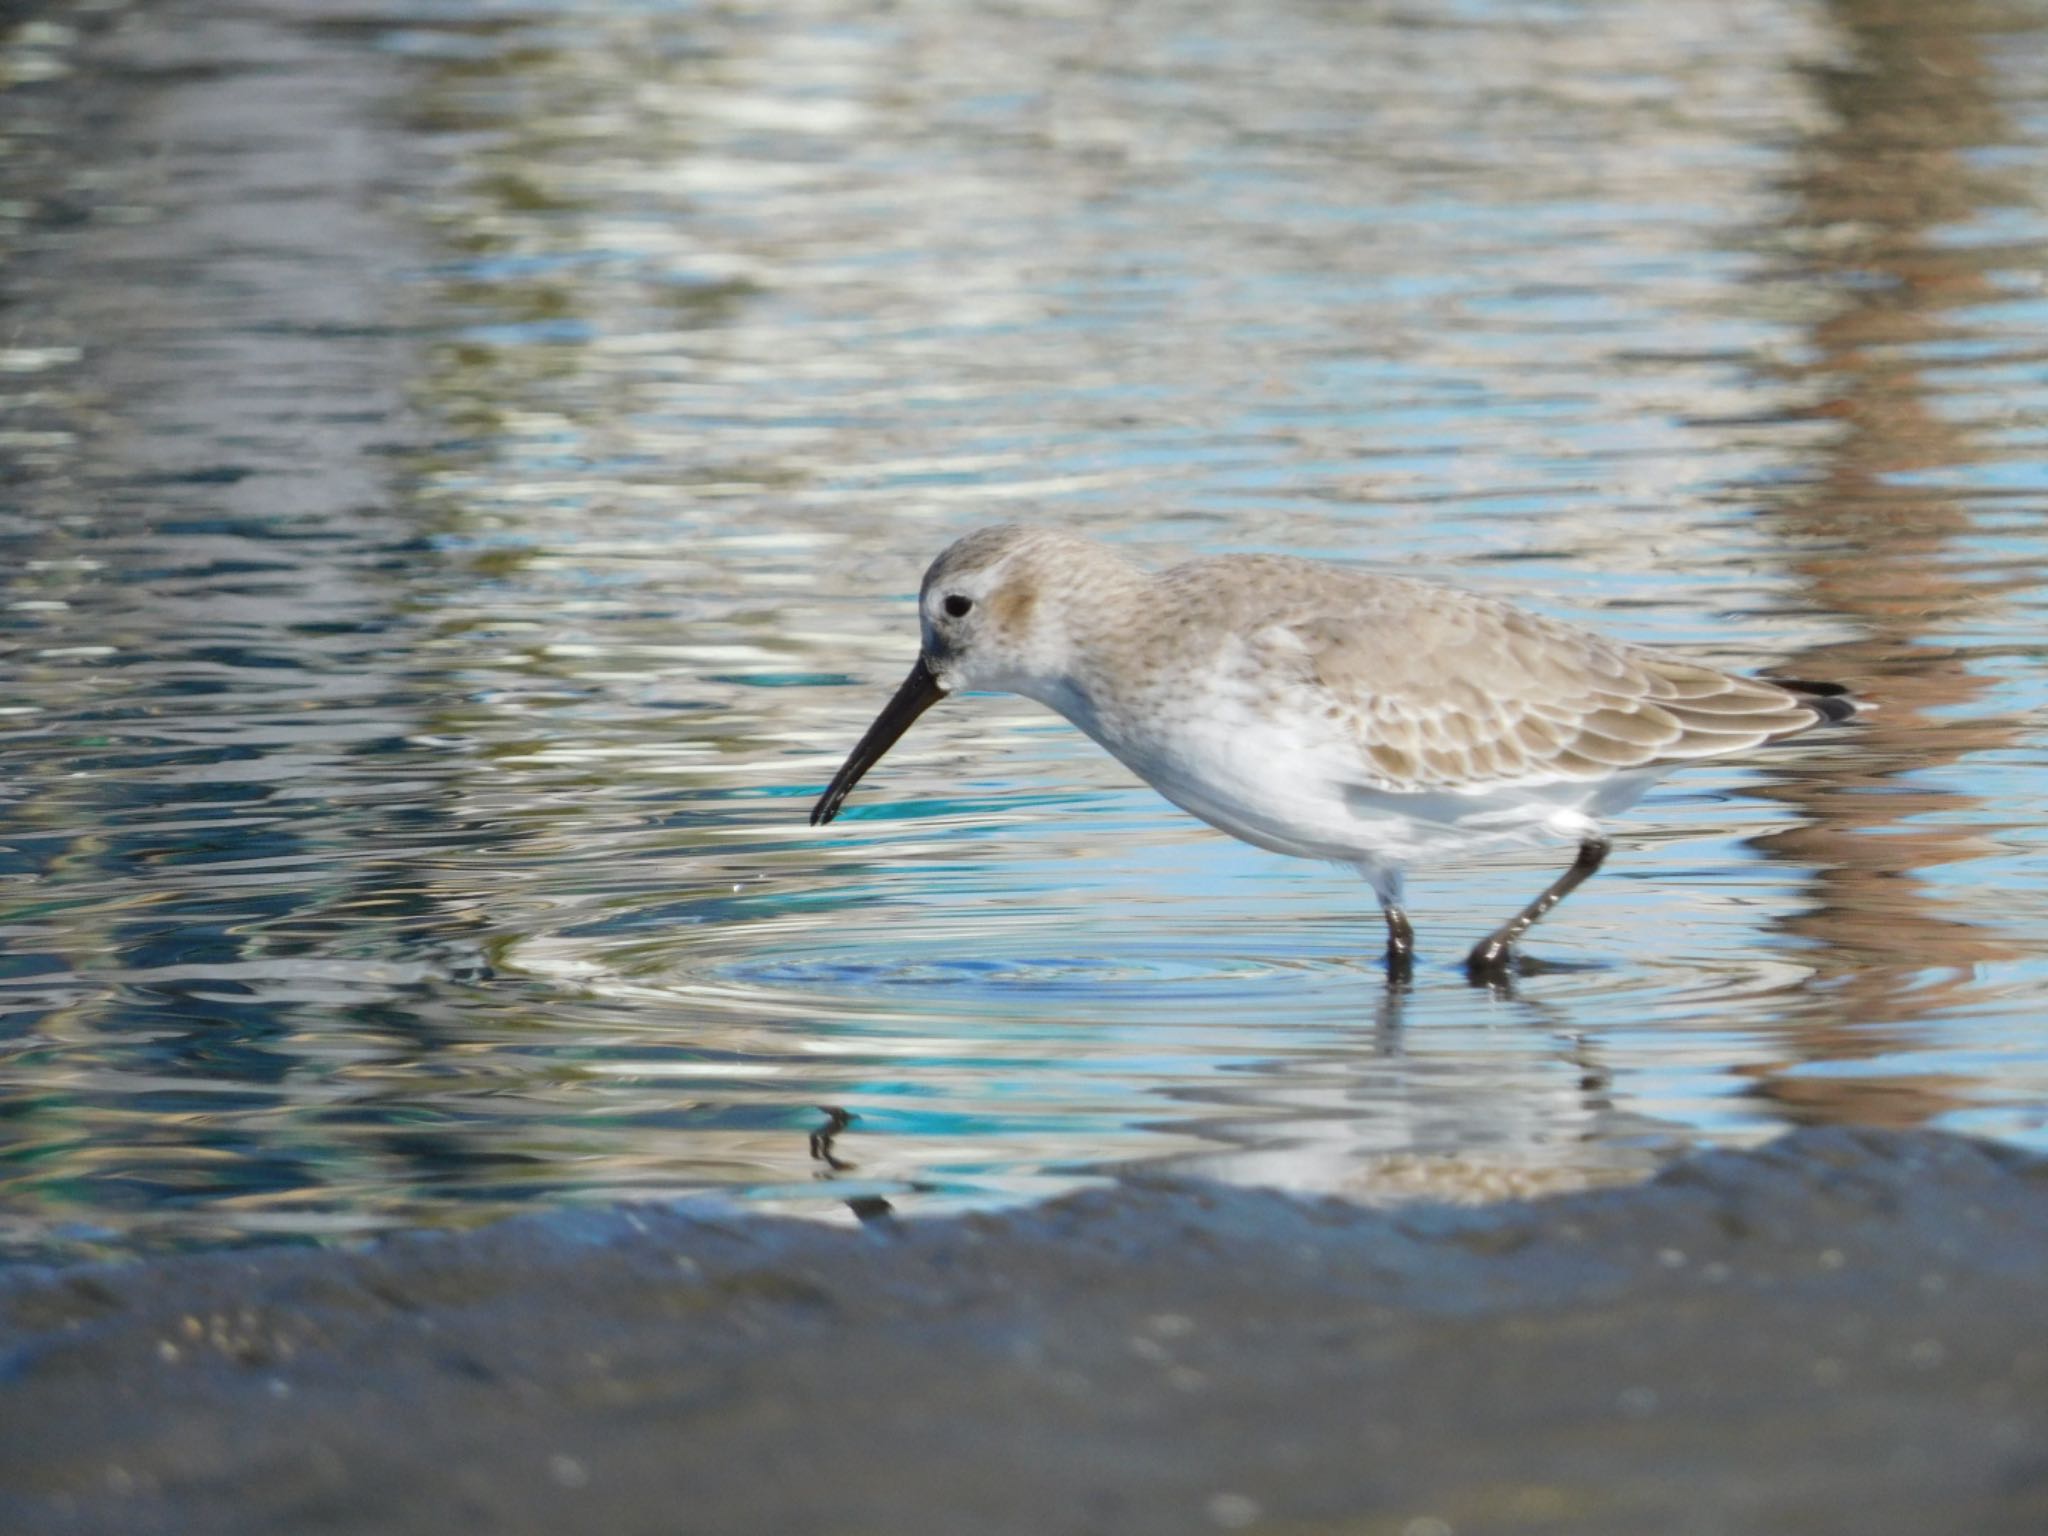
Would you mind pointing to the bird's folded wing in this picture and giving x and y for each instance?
(1479, 694)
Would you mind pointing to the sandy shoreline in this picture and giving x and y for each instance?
(1837, 1333)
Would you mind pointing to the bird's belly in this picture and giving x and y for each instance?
(1296, 800)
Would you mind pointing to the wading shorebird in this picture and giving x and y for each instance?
(1328, 713)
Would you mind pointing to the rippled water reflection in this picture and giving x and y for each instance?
(469, 468)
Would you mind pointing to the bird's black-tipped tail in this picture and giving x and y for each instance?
(1831, 701)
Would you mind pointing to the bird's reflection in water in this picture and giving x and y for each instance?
(1403, 1102)
(868, 1207)
(836, 1120)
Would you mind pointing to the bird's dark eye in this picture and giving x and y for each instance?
(958, 607)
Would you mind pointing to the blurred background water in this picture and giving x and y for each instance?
(468, 464)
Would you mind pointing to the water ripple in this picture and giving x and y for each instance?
(453, 540)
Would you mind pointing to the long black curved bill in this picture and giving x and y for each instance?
(920, 691)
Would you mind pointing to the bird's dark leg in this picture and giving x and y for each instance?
(1386, 884)
(1492, 955)
(1400, 944)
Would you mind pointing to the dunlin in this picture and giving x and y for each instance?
(1329, 713)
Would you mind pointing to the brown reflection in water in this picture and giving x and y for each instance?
(1887, 171)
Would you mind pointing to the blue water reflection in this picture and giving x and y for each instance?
(454, 536)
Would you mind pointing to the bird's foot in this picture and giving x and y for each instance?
(1499, 967)
(1492, 963)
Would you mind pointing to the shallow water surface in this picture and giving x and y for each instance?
(470, 467)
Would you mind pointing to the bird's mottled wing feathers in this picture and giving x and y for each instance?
(1446, 689)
